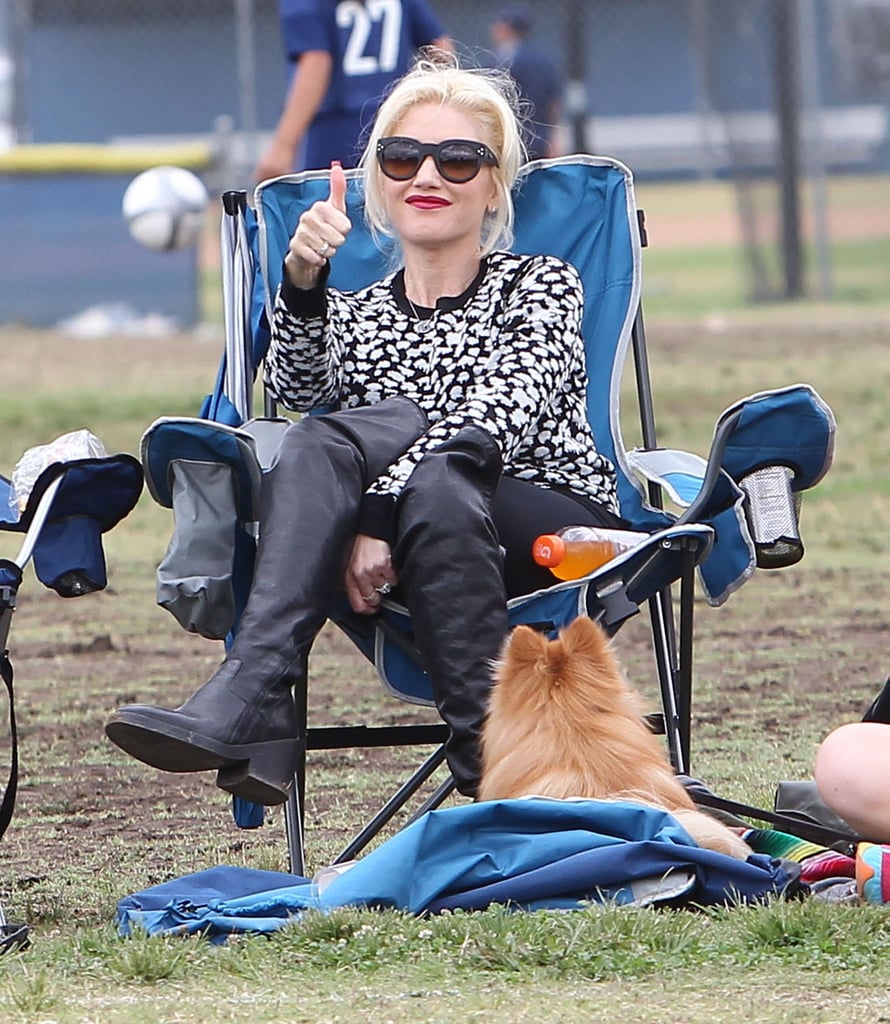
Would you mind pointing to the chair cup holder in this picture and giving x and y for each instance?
(773, 514)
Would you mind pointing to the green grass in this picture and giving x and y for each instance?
(714, 279)
(782, 963)
(695, 263)
(494, 965)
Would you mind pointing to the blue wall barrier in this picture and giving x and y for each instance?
(65, 247)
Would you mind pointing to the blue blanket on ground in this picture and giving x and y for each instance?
(532, 853)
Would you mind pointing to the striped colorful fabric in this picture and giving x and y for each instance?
(817, 863)
(827, 864)
(781, 844)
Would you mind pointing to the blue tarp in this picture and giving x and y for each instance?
(532, 853)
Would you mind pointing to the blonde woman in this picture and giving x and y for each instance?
(460, 435)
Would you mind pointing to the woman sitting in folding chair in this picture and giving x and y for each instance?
(460, 436)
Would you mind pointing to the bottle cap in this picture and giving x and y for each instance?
(549, 549)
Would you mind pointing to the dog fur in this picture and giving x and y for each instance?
(563, 722)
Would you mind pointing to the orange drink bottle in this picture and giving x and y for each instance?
(575, 551)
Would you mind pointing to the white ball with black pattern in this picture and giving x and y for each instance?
(165, 207)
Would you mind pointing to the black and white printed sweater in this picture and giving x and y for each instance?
(506, 355)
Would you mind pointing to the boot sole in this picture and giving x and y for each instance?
(258, 780)
(262, 773)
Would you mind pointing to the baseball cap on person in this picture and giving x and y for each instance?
(516, 16)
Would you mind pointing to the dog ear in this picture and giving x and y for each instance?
(525, 643)
(584, 636)
(586, 639)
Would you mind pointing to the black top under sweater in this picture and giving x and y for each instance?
(507, 355)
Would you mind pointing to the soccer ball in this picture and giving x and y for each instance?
(165, 207)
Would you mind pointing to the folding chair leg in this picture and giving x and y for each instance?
(674, 663)
(394, 805)
(664, 646)
(683, 679)
(435, 800)
(294, 811)
(293, 823)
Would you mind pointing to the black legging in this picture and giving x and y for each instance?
(523, 511)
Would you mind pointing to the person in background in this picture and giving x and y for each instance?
(342, 56)
(460, 435)
(852, 768)
(536, 73)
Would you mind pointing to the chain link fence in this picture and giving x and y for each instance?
(649, 80)
(765, 93)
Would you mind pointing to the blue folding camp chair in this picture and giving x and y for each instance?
(740, 504)
(68, 509)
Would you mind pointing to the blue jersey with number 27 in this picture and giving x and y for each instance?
(371, 42)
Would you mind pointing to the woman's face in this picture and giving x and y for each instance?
(427, 210)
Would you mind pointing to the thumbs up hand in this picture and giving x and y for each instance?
(321, 230)
(337, 196)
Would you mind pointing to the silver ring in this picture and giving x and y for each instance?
(324, 249)
(384, 589)
(370, 598)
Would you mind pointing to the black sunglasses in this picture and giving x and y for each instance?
(457, 160)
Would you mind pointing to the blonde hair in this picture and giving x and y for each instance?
(487, 95)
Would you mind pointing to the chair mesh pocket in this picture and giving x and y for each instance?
(194, 580)
(773, 514)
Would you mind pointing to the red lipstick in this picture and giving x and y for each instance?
(427, 202)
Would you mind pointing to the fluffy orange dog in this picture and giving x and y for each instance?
(564, 723)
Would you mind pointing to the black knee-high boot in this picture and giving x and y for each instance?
(242, 721)
(450, 569)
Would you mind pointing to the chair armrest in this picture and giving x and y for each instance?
(697, 486)
(766, 450)
(192, 439)
(70, 506)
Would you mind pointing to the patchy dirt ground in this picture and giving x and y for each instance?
(793, 654)
(777, 667)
